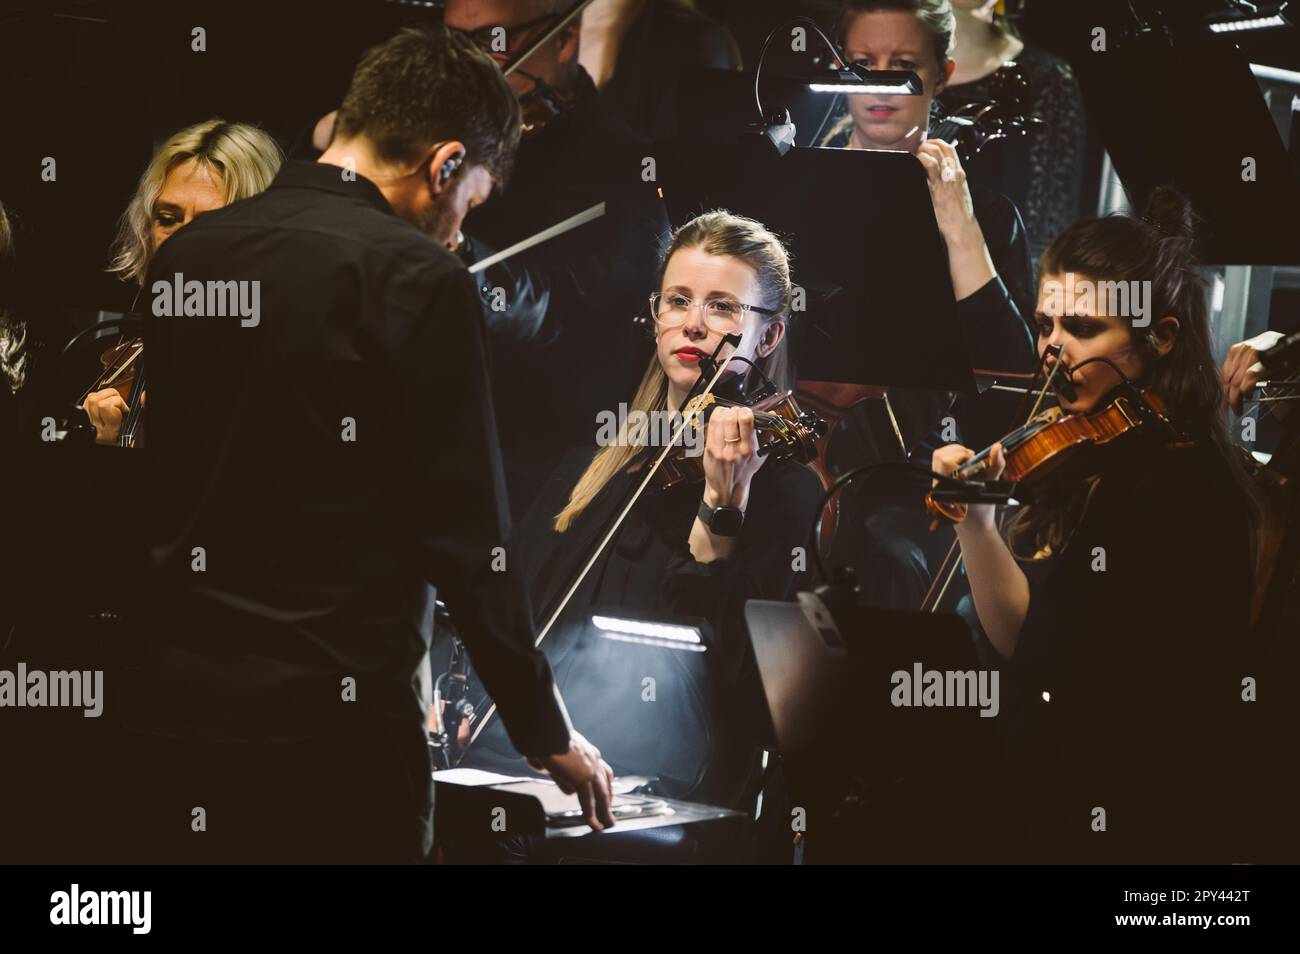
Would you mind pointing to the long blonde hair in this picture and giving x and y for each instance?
(718, 233)
(13, 333)
(245, 157)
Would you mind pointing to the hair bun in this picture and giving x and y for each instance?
(1170, 212)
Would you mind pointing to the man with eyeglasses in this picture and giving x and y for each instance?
(576, 296)
(504, 28)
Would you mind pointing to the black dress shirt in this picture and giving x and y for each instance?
(331, 461)
(667, 39)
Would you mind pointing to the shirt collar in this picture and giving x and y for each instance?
(302, 174)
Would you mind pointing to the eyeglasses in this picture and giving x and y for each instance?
(723, 315)
(486, 38)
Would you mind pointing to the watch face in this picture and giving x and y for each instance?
(726, 521)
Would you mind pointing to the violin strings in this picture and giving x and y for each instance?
(1274, 401)
(102, 382)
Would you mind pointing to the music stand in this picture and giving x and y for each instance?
(865, 250)
(879, 782)
(1189, 115)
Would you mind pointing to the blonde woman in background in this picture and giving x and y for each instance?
(201, 168)
(988, 253)
(13, 333)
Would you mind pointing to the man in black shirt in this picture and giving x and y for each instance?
(322, 449)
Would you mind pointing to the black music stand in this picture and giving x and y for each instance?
(1189, 115)
(864, 246)
(879, 783)
(665, 745)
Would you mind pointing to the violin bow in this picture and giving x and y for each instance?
(550, 232)
(1274, 400)
(537, 44)
(698, 401)
(106, 380)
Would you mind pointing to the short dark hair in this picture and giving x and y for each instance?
(428, 84)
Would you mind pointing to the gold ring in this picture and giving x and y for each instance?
(732, 440)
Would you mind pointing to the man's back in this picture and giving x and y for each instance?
(315, 458)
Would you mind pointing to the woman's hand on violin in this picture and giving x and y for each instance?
(105, 409)
(969, 260)
(730, 457)
(997, 583)
(949, 458)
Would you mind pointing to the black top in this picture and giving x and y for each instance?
(996, 323)
(331, 461)
(647, 572)
(1043, 172)
(665, 39)
(1135, 633)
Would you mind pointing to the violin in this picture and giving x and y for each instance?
(783, 429)
(119, 367)
(1051, 446)
(1055, 445)
(123, 371)
(542, 104)
(972, 126)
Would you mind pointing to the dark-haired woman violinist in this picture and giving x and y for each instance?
(1116, 602)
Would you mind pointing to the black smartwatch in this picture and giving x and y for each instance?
(722, 521)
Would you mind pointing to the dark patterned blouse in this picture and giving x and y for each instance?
(1043, 172)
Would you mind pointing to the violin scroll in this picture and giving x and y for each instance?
(973, 125)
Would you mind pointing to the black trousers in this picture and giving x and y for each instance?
(361, 797)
